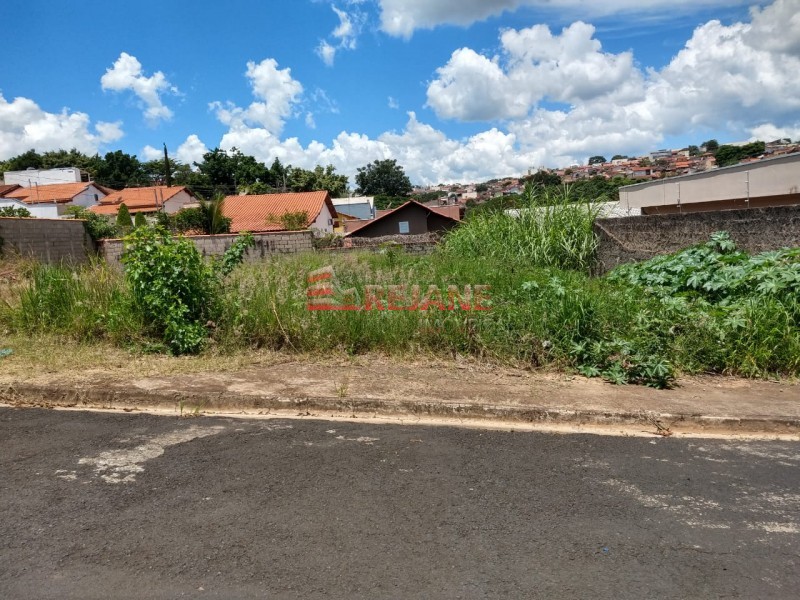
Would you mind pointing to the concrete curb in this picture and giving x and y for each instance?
(23, 394)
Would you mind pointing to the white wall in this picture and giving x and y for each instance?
(40, 211)
(42, 177)
(177, 202)
(324, 222)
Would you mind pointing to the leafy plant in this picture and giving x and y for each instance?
(139, 220)
(290, 221)
(97, 226)
(13, 211)
(234, 255)
(172, 287)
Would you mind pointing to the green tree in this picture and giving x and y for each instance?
(694, 151)
(544, 178)
(302, 180)
(124, 221)
(383, 177)
(618, 157)
(597, 160)
(227, 171)
(27, 160)
(710, 146)
(139, 220)
(119, 170)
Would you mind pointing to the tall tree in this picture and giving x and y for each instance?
(383, 178)
(226, 171)
(119, 170)
(710, 146)
(597, 160)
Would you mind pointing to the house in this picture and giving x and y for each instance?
(31, 177)
(268, 212)
(768, 182)
(412, 218)
(51, 201)
(360, 207)
(146, 200)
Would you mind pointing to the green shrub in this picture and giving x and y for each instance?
(172, 287)
(98, 227)
(140, 220)
(13, 211)
(124, 222)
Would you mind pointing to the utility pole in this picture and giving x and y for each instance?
(167, 170)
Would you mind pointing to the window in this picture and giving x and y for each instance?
(403, 226)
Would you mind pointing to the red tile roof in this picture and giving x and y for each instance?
(4, 189)
(258, 213)
(143, 199)
(56, 192)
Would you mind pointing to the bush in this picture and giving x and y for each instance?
(13, 211)
(97, 226)
(124, 222)
(172, 287)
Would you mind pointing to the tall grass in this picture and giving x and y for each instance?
(550, 229)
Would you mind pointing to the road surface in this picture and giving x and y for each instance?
(109, 505)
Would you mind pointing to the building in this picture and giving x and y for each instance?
(412, 218)
(768, 182)
(278, 212)
(32, 177)
(360, 207)
(51, 201)
(146, 200)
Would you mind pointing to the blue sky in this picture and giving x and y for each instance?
(455, 91)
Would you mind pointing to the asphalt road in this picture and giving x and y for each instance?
(100, 505)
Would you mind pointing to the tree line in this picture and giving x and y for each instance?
(219, 172)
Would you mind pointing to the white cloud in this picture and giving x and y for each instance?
(126, 74)
(277, 94)
(345, 34)
(393, 103)
(191, 150)
(570, 67)
(150, 153)
(554, 99)
(326, 52)
(726, 78)
(403, 17)
(24, 126)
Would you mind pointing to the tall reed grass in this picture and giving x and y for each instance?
(550, 229)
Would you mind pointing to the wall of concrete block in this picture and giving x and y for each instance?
(630, 239)
(266, 245)
(50, 241)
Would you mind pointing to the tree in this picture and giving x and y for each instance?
(597, 160)
(730, 155)
(619, 157)
(124, 221)
(119, 170)
(139, 220)
(710, 146)
(227, 171)
(544, 178)
(694, 151)
(302, 180)
(383, 177)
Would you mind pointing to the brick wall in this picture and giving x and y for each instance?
(47, 240)
(267, 244)
(630, 239)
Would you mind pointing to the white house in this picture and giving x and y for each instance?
(51, 201)
(32, 177)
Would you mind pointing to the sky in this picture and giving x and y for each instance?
(454, 90)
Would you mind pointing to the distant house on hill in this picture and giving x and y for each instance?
(51, 201)
(412, 218)
(280, 212)
(146, 200)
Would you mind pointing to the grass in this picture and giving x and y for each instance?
(643, 324)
